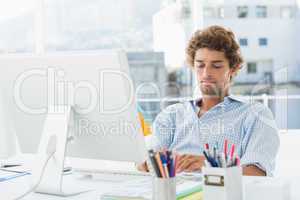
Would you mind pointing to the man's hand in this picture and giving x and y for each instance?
(189, 163)
(143, 167)
(186, 162)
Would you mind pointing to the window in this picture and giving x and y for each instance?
(263, 41)
(208, 12)
(243, 41)
(186, 10)
(17, 26)
(221, 12)
(251, 67)
(242, 11)
(261, 11)
(286, 12)
(97, 24)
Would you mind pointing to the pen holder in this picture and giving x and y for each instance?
(222, 183)
(164, 188)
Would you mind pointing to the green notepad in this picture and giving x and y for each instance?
(197, 187)
(194, 196)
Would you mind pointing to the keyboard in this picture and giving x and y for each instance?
(111, 175)
(121, 174)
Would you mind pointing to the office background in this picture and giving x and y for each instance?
(154, 35)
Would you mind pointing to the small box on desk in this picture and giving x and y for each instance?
(222, 183)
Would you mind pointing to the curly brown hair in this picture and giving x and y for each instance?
(215, 38)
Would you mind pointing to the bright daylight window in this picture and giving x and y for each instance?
(17, 26)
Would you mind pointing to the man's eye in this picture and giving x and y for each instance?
(200, 65)
(217, 66)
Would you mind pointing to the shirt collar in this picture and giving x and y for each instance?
(227, 99)
(235, 98)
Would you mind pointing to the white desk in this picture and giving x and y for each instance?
(13, 188)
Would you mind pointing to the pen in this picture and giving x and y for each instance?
(154, 163)
(206, 156)
(9, 165)
(207, 149)
(210, 160)
(67, 169)
(220, 161)
(214, 162)
(232, 152)
(176, 164)
(172, 165)
(225, 149)
(171, 168)
(207, 146)
(237, 161)
(158, 160)
(165, 165)
(169, 155)
(217, 145)
(215, 153)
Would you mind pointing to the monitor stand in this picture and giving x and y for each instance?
(57, 127)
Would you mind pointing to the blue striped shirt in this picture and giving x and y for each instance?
(250, 126)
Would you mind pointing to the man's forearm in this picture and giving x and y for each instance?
(252, 170)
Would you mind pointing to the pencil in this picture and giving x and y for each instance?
(158, 160)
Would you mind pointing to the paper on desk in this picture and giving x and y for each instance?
(142, 188)
(7, 175)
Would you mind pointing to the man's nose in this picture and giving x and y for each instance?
(207, 71)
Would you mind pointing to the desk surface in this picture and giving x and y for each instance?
(14, 188)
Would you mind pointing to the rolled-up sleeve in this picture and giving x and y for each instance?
(261, 141)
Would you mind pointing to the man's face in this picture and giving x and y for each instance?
(213, 72)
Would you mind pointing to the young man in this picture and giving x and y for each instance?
(217, 116)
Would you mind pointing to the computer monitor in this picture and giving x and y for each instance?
(97, 84)
(78, 105)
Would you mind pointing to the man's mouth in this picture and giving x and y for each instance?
(208, 82)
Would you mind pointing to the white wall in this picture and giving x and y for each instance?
(288, 162)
